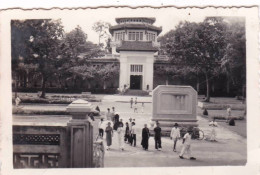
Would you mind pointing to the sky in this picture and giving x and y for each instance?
(168, 18)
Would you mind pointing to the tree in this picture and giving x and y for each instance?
(76, 53)
(41, 41)
(101, 28)
(233, 63)
(200, 46)
(107, 72)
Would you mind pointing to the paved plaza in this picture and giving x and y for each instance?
(230, 149)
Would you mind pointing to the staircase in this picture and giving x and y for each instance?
(136, 92)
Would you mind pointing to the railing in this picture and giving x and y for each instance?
(49, 147)
(40, 147)
(161, 57)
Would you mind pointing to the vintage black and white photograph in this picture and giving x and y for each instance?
(122, 87)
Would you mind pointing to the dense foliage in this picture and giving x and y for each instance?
(52, 54)
(209, 48)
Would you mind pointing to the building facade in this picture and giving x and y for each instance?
(135, 52)
(135, 41)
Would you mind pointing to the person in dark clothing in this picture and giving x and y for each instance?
(232, 122)
(97, 109)
(145, 137)
(116, 121)
(127, 133)
(157, 137)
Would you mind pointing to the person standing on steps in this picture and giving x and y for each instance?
(187, 145)
(175, 135)
(157, 137)
(145, 137)
(109, 135)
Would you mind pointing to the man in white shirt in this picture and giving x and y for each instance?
(133, 134)
(101, 128)
(175, 135)
(187, 145)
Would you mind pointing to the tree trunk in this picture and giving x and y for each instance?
(167, 81)
(208, 88)
(44, 79)
(104, 85)
(198, 85)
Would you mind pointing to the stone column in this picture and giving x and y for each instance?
(81, 134)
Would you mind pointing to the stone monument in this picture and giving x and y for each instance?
(81, 134)
(174, 104)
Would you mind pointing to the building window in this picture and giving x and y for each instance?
(150, 36)
(136, 68)
(119, 36)
(132, 36)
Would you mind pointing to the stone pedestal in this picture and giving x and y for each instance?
(174, 104)
(81, 134)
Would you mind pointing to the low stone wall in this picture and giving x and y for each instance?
(98, 154)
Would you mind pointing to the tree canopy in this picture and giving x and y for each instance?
(203, 47)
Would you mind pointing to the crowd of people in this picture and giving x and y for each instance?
(127, 134)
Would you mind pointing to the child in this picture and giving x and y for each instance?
(109, 135)
(187, 145)
(175, 135)
(213, 133)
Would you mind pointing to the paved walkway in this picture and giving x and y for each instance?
(229, 150)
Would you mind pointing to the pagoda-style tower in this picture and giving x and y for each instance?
(135, 40)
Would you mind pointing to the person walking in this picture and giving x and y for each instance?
(109, 114)
(109, 135)
(133, 134)
(120, 135)
(113, 113)
(116, 118)
(145, 137)
(142, 107)
(135, 106)
(157, 137)
(131, 102)
(127, 133)
(187, 145)
(175, 135)
(100, 128)
(213, 133)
